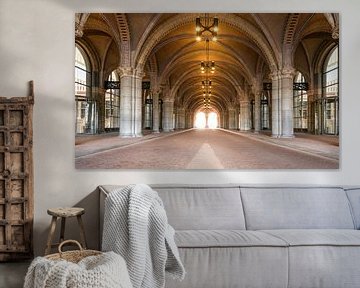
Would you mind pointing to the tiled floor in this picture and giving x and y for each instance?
(12, 274)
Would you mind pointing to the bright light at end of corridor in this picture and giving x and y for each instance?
(200, 120)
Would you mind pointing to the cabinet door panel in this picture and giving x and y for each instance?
(16, 183)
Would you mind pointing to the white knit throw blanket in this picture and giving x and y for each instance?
(107, 270)
(136, 227)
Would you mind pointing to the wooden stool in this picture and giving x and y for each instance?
(64, 213)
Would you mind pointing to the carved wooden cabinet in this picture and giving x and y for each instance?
(16, 177)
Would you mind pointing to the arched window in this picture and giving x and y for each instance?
(330, 92)
(112, 105)
(83, 104)
(300, 103)
(331, 74)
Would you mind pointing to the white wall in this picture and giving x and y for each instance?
(37, 43)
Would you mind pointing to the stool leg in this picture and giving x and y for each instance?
(82, 232)
(62, 231)
(51, 235)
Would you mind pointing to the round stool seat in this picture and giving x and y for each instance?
(66, 211)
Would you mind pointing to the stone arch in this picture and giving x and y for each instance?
(333, 19)
(301, 34)
(112, 26)
(260, 69)
(80, 20)
(146, 33)
(305, 30)
(269, 37)
(106, 70)
(186, 94)
(290, 28)
(142, 53)
(196, 105)
(153, 65)
(224, 86)
(307, 74)
(188, 74)
(195, 98)
(189, 45)
(91, 53)
(124, 32)
(119, 28)
(172, 64)
(322, 54)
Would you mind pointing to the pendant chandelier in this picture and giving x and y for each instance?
(207, 30)
(207, 67)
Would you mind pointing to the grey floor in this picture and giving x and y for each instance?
(12, 274)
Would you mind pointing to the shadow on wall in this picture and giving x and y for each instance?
(91, 222)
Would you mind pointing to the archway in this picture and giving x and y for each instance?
(213, 120)
(206, 120)
(200, 120)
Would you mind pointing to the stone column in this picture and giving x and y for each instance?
(190, 120)
(101, 110)
(231, 118)
(220, 124)
(311, 112)
(226, 120)
(222, 119)
(126, 77)
(168, 107)
(287, 99)
(245, 115)
(257, 112)
(187, 120)
(181, 118)
(237, 118)
(137, 100)
(275, 105)
(130, 102)
(156, 112)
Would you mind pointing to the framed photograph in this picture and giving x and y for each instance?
(207, 90)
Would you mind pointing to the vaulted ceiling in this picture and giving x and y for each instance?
(248, 48)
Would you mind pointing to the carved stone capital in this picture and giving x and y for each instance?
(335, 32)
(167, 99)
(78, 30)
(288, 72)
(101, 91)
(125, 71)
(156, 90)
(275, 75)
(139, 73)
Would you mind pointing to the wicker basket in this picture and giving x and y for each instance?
(72, 256)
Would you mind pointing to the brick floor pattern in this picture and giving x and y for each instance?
(208, 149)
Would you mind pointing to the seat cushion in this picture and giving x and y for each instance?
(317, 237)
(322, 258)
(225, 238)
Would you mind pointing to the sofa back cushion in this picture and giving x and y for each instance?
(296, 208)
(202, 208)
(354, 198)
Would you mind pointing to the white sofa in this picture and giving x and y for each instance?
(262, 236)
